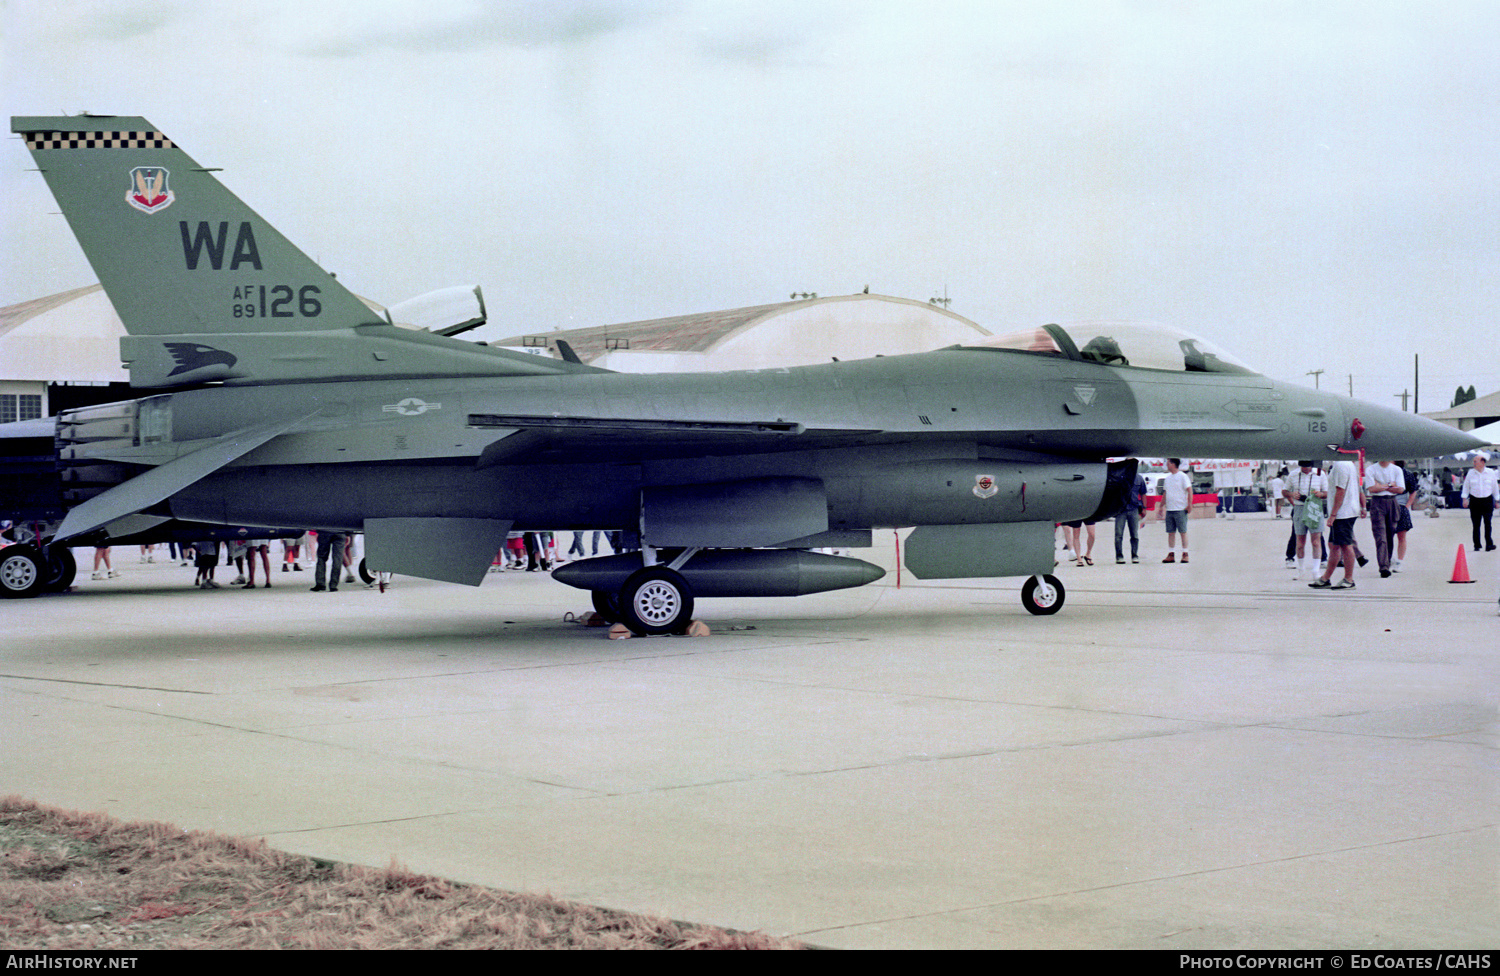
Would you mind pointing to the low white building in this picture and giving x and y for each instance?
(68, 339)
(1470, 415)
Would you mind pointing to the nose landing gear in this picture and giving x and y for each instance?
(1043, 595)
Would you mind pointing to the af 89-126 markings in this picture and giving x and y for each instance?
(276, 302)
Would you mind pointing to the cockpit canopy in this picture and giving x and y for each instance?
(1120, 344)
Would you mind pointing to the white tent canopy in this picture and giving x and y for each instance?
(1489, 433)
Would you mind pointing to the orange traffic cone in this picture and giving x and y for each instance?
(1460, 567)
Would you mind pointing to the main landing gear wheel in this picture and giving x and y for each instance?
(23, 571)
(656, 600)
(1043, 595)
(61, 569)
(607, 605)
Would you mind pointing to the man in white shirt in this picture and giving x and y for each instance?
(1383, 483)
(1479, 494)
(1177, 499)
(1344, 508)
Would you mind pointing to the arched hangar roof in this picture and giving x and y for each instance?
(782, 334)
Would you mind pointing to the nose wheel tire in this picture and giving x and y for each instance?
(1043, 595)
(656, 600)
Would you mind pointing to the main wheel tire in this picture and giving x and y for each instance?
(23, 571)
(607, 605)
(365, 574)
(656, 600)
(1043, 595)
(62, 568)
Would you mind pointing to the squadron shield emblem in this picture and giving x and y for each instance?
(984, 486)
(148, 191)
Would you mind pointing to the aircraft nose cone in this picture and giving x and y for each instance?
(1391, 434)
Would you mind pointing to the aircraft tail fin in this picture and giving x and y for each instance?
(176, 252)
(206, 288)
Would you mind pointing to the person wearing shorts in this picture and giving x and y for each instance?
(206, 558)
(261, 548)
(1344, 508)
(1177, 499)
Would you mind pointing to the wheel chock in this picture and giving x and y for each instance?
(619, 632)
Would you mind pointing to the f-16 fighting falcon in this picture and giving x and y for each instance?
(273, 396)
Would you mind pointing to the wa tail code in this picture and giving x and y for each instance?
(204, 239)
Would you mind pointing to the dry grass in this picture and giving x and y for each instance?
(86, 881)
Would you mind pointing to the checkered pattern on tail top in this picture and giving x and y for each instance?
(97, 140)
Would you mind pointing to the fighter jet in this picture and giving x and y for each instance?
(276, 397)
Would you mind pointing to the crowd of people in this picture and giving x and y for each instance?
(1324, 503)
(537, 551)
(334, 559)
(244, 555)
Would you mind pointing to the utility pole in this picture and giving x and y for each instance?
(1403, 395)
(1351, 384)
(1416, 383)
(1315, 373)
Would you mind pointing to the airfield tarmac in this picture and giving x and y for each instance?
(1200, 756)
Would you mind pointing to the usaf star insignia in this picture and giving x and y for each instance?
(411, 407)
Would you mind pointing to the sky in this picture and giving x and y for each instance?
(1310, 185)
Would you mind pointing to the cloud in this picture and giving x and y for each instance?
(350, 29)
(111, 20)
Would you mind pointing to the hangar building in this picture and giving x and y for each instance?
(59, 352)
(1472, 415)
(794, 333)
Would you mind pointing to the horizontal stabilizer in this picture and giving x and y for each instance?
(166, 480)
